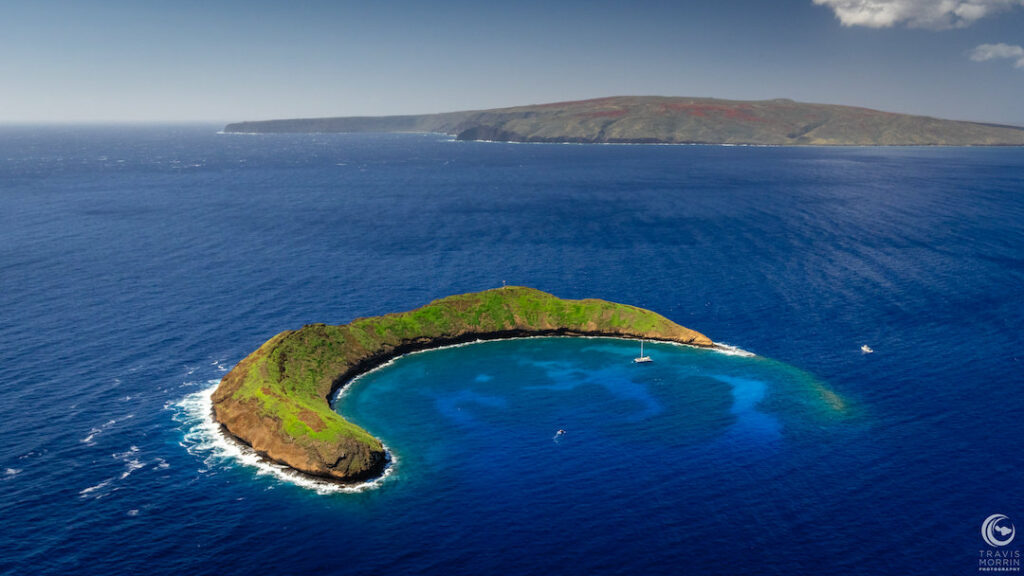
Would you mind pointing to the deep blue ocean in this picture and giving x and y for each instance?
(139, 264)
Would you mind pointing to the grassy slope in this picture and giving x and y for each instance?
(286, 382)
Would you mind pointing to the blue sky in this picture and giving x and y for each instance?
(184, 60)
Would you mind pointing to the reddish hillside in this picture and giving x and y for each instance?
(655, 119)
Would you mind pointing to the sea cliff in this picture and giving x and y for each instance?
(276, 400)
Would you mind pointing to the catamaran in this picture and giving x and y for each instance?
(641, 358)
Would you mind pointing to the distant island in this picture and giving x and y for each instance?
(672, 120)
(276, 400)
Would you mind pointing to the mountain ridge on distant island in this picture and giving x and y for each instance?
(671, 120)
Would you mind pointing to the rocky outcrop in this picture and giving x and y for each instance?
(276, 399)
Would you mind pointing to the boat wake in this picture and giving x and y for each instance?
(204, 438)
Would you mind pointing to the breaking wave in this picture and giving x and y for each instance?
(732, 350)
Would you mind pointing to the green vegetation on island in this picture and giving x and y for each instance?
(657, 119)
(276, 400)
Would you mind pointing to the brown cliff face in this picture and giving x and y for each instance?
(345, 460)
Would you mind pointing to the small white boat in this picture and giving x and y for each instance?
(641, 358)
(866, 349)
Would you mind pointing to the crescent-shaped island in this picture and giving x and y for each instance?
(276, 400)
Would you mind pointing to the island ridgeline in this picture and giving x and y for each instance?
(276, 400)
(673, 120)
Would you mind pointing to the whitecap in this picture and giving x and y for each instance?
(204, 438)
(130, 458)
(85, 492)
(131, 464)
(96, 431)
(32, 454)
(11, 472)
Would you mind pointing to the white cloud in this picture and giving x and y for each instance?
(933, 14)
(999, 51)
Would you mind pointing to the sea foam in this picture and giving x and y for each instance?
(732, 350)
(131, 461)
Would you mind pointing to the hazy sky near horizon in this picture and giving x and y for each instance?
(223, 61)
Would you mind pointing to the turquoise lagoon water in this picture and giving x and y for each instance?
(647, 448)
(480, 412)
